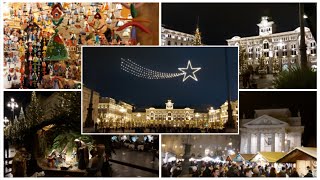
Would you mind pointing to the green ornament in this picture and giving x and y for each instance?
(134, 12)
(56, 49)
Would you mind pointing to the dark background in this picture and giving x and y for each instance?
(221, 21)
(305, 102)
(102, 72)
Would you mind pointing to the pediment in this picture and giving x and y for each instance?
(265, 121)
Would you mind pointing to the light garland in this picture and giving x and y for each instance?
(137, 70)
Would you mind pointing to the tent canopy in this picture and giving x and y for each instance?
(299, 153)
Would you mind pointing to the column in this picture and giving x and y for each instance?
(259, 141)
(249, 143)
(273, 139)
(283, 141)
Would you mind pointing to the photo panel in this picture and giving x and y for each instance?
(42, 138)
(160, 90)
(271, 53)
(42, 41)
(277, 139)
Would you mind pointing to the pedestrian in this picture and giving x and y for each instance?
(248, 172)
(215, 172)
(273, 172)
(19, 163)
(282, 172)
(309, 174)
(294, 173)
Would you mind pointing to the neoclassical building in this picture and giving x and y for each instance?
(277, 51)
(171, 37)
(272, 130)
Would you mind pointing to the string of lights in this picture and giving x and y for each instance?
(137, 70)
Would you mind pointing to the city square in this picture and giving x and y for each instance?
(125, 95)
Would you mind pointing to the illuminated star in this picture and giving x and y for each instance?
(186, 72)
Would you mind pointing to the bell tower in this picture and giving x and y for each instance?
(265, 27)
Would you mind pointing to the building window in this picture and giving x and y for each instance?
(181, 44)
(250, 55)
(266, 54)
(175, 43)
(169, 42)
(277, 53)
(313, 51)
(293, 46)
(313, 44)
(293, 52)
(284, 53)
(265, 45)
(284, 47)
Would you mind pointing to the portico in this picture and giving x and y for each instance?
(269, 134)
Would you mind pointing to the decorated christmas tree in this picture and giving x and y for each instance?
(197, 38)
(34, 114)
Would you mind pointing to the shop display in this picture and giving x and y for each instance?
(42, 41)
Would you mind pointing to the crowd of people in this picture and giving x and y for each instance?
(214, 169)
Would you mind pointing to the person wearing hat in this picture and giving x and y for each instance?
(19, 163)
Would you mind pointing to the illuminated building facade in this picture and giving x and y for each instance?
(272, 130)
(113, 114)
(275, 51)
(171, 37)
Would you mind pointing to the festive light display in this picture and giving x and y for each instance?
(137, 70)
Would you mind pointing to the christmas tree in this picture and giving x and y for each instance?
(197, 38)
(34, 114)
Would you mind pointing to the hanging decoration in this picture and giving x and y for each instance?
(42, 41)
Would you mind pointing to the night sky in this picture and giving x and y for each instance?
(305, 102)
(23, 99)
(221, 21)
(102, 72)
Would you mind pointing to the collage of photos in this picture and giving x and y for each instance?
(158, 89)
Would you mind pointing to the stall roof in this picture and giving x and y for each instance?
(271, 157)
(299, 153)
(247, 157)
(230, 157)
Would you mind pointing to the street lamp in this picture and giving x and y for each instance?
(6, 121)
(13, 105)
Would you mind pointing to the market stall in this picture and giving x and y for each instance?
(266, 158)
(301, 158)
(42, 41)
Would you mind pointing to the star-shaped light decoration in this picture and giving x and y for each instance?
(186, 72)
